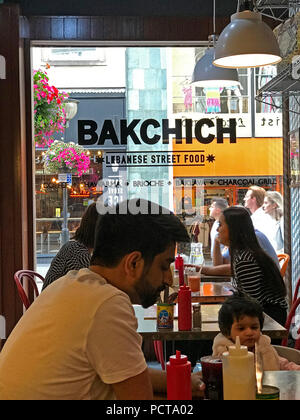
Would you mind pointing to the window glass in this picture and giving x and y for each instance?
(268, 117)
(149, 132)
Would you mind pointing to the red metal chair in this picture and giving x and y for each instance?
(296, 291)
(158, 348)
(30, 275)
(289, 323)
(283, 262)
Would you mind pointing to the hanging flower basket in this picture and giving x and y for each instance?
(49, 113)
(66, 158)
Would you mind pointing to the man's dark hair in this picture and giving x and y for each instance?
(234, 308)
(118, 234)
(85, 233)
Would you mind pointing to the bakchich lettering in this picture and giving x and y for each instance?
(151, 132)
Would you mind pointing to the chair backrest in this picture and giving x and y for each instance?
(296, 332)
(292, 355)
(283, 262)
(30, 275)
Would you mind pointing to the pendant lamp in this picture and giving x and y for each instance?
(207, 75)
(246, 42)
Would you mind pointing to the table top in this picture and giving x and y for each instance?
(147, 325)
(212, 292)
(288, 381)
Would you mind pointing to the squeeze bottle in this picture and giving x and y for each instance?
(180, 268)
(238, 373)
(179, 377)
(184, 308)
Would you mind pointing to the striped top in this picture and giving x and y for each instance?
(249, 278)
(72, 256)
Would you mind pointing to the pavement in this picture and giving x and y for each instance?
(42, 267)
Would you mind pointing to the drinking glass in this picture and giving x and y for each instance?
(212, 377)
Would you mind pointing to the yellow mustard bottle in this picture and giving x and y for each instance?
(238, 373)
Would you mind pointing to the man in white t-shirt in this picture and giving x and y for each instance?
(254, 200)
(79, 339)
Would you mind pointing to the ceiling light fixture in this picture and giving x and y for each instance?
(247, 41)
(205, 74)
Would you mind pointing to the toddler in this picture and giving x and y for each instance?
(243, 316)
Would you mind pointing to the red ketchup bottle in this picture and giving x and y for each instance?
(184, 308)
(179, 378)
(180, 268)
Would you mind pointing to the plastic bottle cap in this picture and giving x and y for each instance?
(238, 350)
(178, 358)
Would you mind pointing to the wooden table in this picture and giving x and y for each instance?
(212, 292)
(147, 325)
(288, 381)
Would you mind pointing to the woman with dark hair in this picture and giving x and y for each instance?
(254, 272)
(76, 253)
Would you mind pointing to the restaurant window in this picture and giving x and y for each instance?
(139, 118)
(268, 115)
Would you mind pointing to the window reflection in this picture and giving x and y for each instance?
(143, 83)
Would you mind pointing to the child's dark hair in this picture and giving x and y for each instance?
(234, 308)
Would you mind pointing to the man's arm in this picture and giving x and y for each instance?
(158, 380)
(138, 387)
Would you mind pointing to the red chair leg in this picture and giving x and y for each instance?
(158, 348)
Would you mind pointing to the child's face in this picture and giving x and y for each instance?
(247, 328)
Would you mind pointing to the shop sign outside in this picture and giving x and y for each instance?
(243, 122)
(227, 152)
(267, 124)
(244, 182)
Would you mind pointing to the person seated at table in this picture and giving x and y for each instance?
(221, 256)
(75, 254)
(254, 272)
(79, 339)
(243, 316)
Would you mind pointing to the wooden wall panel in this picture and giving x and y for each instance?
(121, 28)
(84, 28)
(12, 161)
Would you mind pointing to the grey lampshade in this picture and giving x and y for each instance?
(246, 42)
(207, 75)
